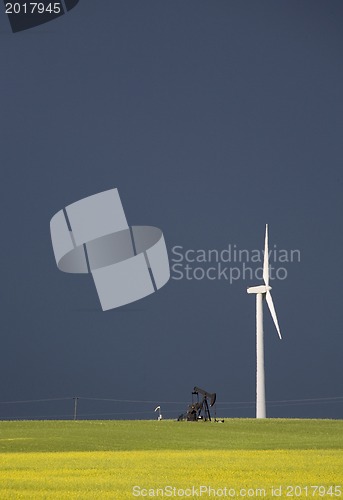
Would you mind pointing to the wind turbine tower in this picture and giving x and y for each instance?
(262, 292)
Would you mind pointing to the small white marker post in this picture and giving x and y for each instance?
(159, 412)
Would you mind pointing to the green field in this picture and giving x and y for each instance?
(108, 459)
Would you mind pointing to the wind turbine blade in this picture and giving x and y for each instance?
(272, 312)
(266, 259)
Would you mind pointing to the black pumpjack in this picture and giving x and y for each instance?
(199, 409)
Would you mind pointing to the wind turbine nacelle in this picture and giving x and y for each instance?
(259, 289)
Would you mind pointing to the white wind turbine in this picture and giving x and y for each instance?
(262, 291)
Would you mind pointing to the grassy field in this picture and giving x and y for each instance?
(117, 459)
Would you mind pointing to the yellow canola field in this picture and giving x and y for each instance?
(172, 474)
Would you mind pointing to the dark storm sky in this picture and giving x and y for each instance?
(211, 118)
